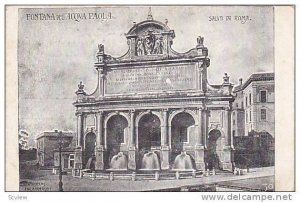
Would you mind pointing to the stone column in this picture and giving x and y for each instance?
(205, 115)
(227, 151)
(200, 76)
(132, 147)
(164, 141)
(101, 82)
(99, 150)
(199, 147)
(79, 129)
(79, 144)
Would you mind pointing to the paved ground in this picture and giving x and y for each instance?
(45, 181)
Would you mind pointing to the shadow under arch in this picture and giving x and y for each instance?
(212, 157)
(182, 132)
(116, 136)
(149, 136)
(89, 146)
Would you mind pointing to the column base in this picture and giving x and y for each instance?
(199, 157)
(99, 151)
(227, 158)
(165, 165)
(227, 166)
(131, 158)
(78, 164)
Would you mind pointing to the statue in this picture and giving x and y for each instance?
(200, 41)
(148, 45)
(80, 86)
(140, 48)
(100, 48)
(159, 46)
(225, 78)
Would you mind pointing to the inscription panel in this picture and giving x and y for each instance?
(151, 79)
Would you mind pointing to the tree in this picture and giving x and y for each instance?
(23, 139)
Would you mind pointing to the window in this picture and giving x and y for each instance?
(250, 99)
(71, 161)
(246, 102)
(250, 115)
(233, 133)
(263, 96)
(263, 114)
(246, 117)
(72, 157)
(233, 121)
(242, 104)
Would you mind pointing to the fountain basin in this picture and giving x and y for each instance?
(150, 162)
(183, 162)
(118, 162)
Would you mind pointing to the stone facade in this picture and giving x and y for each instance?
(153, 107)
(47, 144)
(254, 105)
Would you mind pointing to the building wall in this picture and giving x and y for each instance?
(46, 145)
(66, 159)
(247, 107)
(269, 123)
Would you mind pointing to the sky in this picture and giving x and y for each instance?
(55, 54)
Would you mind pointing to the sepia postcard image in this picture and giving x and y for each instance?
(146, 98)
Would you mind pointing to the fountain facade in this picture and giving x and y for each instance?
(156, 99)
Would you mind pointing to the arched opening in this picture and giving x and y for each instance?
(149, 140)
(213, 148)
(90, 143)
(182, 133)
(117, 126)
(149, 132)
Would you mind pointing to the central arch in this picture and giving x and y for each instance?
(149, 141)
(149, 132)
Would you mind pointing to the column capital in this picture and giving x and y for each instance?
(165, 110)
(132, 111)
(228, 108)
(101, 73)
(200, 64)
(79, 114)
(99, 113)
(200, 108)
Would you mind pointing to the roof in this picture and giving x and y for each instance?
(255, 77)
(54, 134)
(148, 23)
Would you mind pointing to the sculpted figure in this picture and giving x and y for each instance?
(148, 46)
(159, 46)
(140, 48)
(100, 48)
(200, 41)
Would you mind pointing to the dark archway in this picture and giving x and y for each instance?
(149, 139)
(181, 125)
(149, 132)
(212, 156)
(90, 143)
(116, 135)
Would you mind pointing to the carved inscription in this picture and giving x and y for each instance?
(151, 79)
